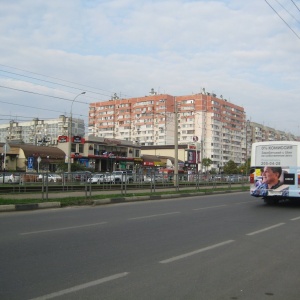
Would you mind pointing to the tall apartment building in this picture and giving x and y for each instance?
(261, 133)
(40, 132)
(215, 125)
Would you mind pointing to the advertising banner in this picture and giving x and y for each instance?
(276, 155)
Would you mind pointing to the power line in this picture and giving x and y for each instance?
(287, 11)
(44, 109)
(283, 19)
(51, 82)
(28, 106)
(295, 5)
(82, 85)
(35, 93)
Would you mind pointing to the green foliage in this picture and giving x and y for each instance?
(230, 167)
(245, 168)
(206, 162)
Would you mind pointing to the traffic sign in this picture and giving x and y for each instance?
(30, 163)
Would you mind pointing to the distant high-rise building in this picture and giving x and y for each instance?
(216, 126)
(40, 132)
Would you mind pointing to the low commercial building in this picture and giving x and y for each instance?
(30, 158)
(102, 154)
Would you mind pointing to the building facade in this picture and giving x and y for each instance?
(40, 132)
(261, 133)
(216, 126)
(102, 154)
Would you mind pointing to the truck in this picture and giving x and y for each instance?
(275, 170)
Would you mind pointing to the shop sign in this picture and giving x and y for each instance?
(62, 139)
(77, 139)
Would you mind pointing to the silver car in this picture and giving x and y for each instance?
(98, 178)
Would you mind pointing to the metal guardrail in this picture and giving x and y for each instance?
(43, 184)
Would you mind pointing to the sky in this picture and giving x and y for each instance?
(246, 51)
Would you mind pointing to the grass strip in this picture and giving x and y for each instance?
(83, 200)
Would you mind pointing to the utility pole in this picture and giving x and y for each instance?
(176, 144)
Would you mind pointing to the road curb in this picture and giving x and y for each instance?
(29, 206)
(43, 205)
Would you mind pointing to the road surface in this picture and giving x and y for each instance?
(229, 246)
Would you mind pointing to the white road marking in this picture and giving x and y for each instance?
(63, 228)
(265, 229)
(295, 219)
(153, 216)
(81, 287)
(201, 208)
(195, 252)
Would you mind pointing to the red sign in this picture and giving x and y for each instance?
(62, 139)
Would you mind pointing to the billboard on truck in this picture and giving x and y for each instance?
(274, 170)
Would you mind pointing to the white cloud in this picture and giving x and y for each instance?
(240, 49)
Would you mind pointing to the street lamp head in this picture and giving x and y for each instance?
(82, 93)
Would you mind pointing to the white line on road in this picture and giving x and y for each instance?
(295, 219)
(265, 229)
(63, 228)
(81, 287)
(195, 252)
(153, 216)
(209, 207)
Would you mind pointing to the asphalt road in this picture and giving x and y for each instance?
(229, 246)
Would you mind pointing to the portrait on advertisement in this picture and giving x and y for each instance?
(272, 179)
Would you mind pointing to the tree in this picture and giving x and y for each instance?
(245, 168)
(230, 167)
(206, 162)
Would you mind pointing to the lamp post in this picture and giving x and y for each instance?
(176, 144)
(70, 134)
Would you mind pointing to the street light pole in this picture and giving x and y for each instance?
(70, 134)
(175, 144)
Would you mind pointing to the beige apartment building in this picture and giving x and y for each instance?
(212, 124)
(261, 133)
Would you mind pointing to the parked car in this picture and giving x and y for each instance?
(9, 178)
(120, 176)
(98, 178)
(234, 178)
(51, 177)
(81, 175)
(156, 178)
